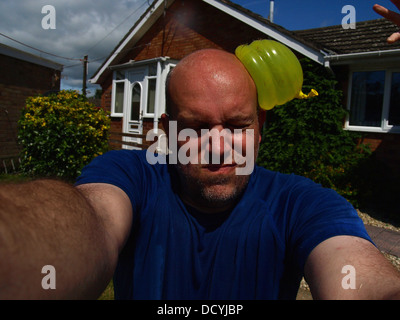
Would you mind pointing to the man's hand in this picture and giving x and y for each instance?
(392, 16)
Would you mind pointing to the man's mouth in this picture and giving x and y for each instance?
(219, 168)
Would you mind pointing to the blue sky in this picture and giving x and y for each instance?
(307, 14)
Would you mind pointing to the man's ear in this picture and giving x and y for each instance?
(262, 115)
(165, 123)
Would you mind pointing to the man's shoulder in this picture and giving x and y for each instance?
(128, 170)
(123, 164)
(277, 186)
(269, 177)
(131, 157)
(123, 154)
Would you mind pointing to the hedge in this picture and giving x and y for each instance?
(60, 134)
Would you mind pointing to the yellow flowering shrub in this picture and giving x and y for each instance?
(61, 133)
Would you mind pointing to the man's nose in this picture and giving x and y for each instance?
(219, 144)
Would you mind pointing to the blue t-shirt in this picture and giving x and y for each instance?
(256, 251)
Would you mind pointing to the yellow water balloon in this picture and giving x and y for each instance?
(275, 70)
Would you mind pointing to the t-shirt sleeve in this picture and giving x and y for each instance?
(320, 214)
(121, 168)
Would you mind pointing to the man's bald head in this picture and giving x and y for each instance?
(210, 69)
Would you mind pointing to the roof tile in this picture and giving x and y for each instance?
(368, 36)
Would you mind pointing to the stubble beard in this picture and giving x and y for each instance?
(219, 191)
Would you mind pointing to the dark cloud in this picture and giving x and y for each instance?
(82, 27)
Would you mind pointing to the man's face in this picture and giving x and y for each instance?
(209, 95)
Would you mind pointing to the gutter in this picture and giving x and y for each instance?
(343, 58)
(134, 63)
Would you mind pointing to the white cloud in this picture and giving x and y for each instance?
(81, 28)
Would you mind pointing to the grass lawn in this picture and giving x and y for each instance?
(108, 293)
(16, 177)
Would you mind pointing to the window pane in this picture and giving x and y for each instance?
(151, 95)
(135, 103)
(367, 98)
(119, 97)
(394, 113)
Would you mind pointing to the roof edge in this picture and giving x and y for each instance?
(154, 7)
(28, 57)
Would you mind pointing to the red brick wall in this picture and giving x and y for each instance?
(386, 147)
(189, 26)
(19, 80)
(106, 87)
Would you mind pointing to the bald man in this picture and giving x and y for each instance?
(197, 229)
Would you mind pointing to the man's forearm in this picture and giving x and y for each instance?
(46, 223)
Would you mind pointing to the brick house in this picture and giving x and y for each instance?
(133, 76)
(21, 75)
(368, 71)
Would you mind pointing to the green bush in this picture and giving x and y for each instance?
(60, 134)
(306, 137)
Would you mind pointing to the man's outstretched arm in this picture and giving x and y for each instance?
(75, 230)
(346, 267)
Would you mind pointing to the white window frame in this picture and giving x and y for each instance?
(113, 96)
(385, 127)
(147, 114)
(160, 77)
(165, 73)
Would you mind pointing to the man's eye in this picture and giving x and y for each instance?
(194, 127)
(199, 128)
(238, 126)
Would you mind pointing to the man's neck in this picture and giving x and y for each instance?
(206, 208)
